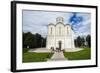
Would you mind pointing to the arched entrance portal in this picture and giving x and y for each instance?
(60, 45)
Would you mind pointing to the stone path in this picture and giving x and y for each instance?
(57, 56)
(40, 50)
(73, 49)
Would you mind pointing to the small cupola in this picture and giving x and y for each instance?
(59, 20)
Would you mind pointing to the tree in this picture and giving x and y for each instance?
(38, 39)
(33, 40)
(79, 41)
(29, 40)
(88, 40)
(82, 41)
(44, 42)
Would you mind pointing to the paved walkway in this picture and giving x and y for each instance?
(40, 50)
(57, 56)
(49, 50)
(73, 49)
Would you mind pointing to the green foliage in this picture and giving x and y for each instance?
(88, 39)
(36, 57)
(81, 41)
(25, 50)
(33, 40)
(80, 55)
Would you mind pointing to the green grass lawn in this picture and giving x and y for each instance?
(36, 57)
(80, 55)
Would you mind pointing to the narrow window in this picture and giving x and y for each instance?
(51, 31)
(59, 30)
(67, 31)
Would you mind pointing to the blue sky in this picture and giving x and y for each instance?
(37, 21)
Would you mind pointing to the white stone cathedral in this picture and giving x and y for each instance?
(60, 35)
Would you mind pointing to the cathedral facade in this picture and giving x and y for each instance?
(60, 35)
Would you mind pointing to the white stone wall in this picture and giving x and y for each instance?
(60, 32)
(50, 37)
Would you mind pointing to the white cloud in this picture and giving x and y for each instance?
(37, 21)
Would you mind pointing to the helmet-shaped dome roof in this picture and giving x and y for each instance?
(59, 20)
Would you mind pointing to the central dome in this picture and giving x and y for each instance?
(59, 20)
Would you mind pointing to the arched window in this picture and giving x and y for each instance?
(51, 31)
(59, 30)
(67, 31)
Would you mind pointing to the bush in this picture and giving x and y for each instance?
(25, 50)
